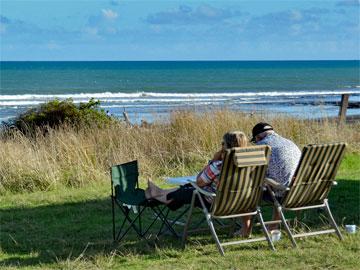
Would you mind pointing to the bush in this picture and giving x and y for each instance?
(55, 113)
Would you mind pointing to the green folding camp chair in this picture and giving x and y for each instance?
(239, 192)
(311, 184)
(131, 201)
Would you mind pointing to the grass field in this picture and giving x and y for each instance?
(55, 209)
(71, 228)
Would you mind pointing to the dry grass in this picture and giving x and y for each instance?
(75, 158)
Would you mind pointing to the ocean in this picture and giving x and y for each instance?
(151, 89)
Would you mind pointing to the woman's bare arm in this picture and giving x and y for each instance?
(200, 182)
(218, 155)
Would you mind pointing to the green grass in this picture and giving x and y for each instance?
(71, 229)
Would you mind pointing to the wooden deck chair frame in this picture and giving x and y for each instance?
(130, 199)
(238, 194)
(311, 184)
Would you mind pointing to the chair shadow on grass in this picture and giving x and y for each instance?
(48, 234)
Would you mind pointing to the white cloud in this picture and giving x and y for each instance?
(52, 45)
(296, 15)
(114, 2)
(109, 14)
(91, 30)
(349, 3)
(111, 30)
(92, 33)
(2, 28)
(102, 24)
(203, 14)
(296, 29)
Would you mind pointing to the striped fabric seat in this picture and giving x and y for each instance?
(239, 191)
(314, 175)
(311, 184)
(241, 180)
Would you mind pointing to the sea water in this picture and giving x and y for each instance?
(147, 89)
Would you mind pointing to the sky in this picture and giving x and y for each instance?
(179, 30)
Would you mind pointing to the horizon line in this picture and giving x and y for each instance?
(210, 60)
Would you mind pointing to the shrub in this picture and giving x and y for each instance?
(56, 112)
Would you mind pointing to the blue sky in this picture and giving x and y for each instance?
(179, 30)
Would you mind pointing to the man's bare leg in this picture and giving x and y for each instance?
(275, 217)
(246, 229)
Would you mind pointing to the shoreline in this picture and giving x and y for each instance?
(350, 119)
(161, 105)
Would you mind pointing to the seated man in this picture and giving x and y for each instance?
(285, 156)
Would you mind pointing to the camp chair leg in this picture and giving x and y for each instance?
(131, 225)
(268, 239)
(332, 220)
(139, 220)
(121, 235)
(152, 223)
(120, 229)
(126, 219)
(170, 227)
(287, 228)
(162, 224)
(188, 221)
(143, 233)
(113, 216)
(174, 221)
(165, 222)
(213, 232)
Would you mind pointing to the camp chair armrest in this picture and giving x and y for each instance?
(200, 190)
(276, 185)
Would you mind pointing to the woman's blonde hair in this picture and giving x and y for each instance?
(235, 139)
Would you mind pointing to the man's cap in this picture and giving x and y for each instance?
(260, 128)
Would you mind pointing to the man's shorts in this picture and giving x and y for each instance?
(268, 198)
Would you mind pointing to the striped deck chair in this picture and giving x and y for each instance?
(239, 192)
(311, 184)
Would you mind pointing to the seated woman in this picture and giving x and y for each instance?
(207, 179)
